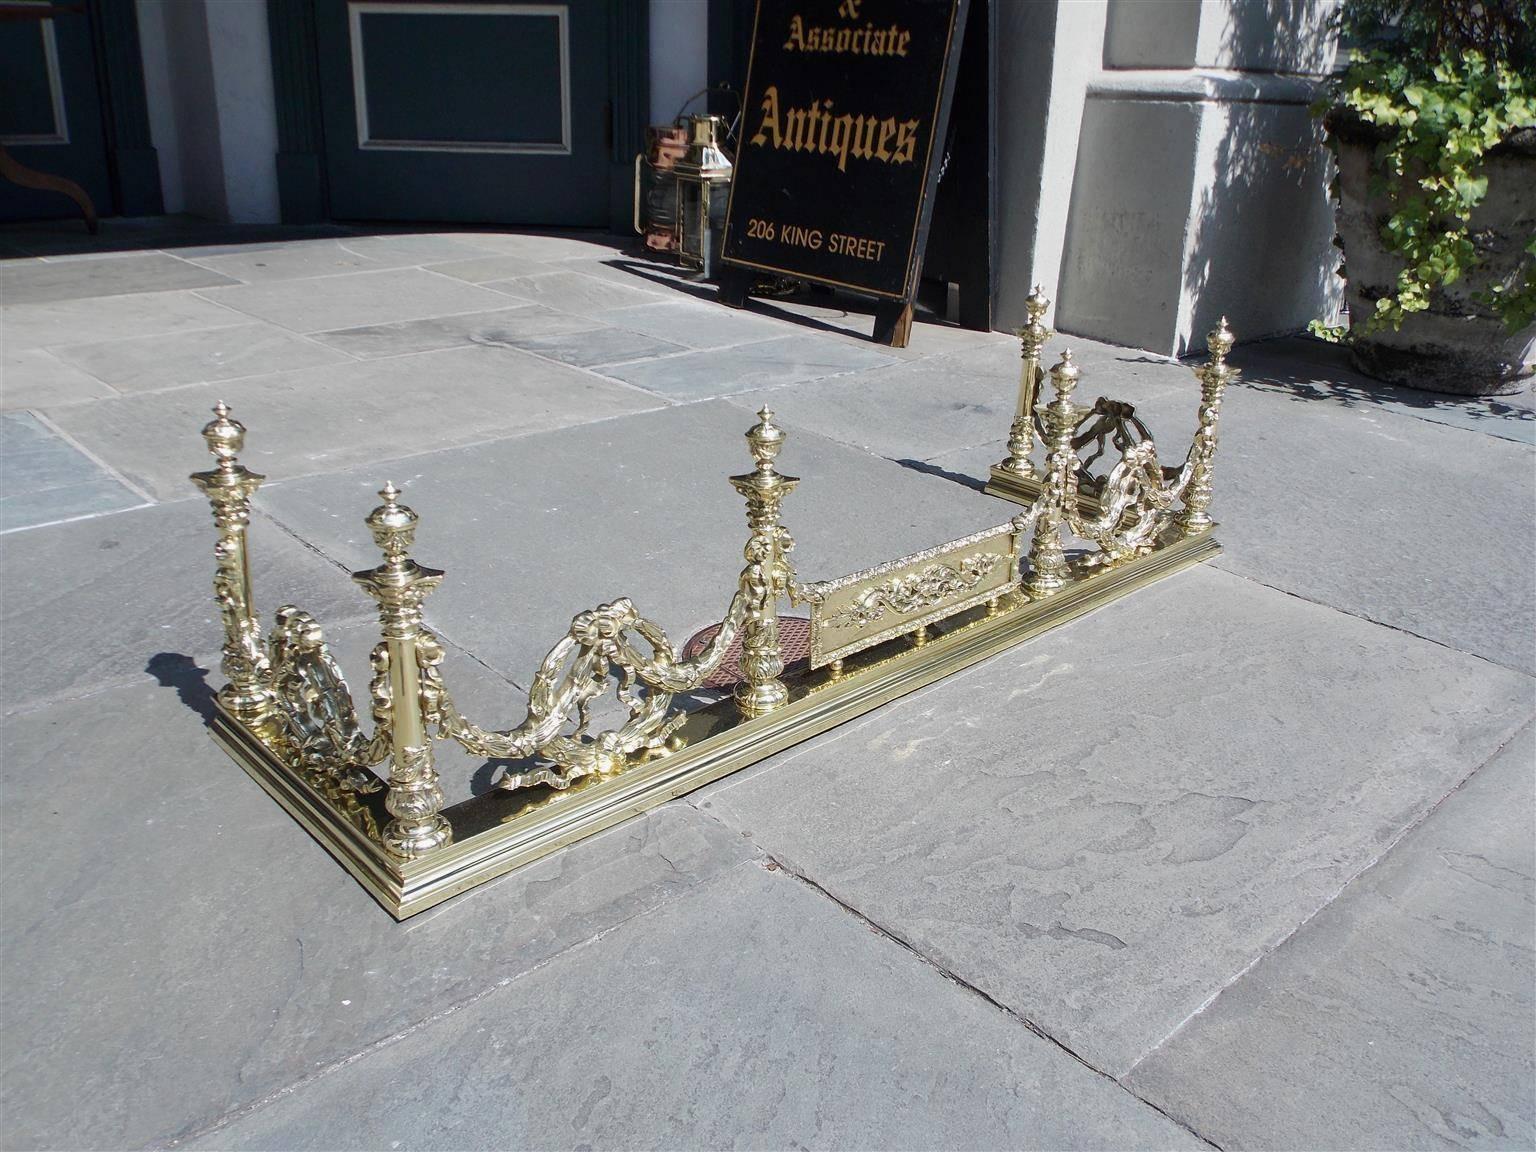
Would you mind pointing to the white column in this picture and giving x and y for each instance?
(679, 55)
(212, 112)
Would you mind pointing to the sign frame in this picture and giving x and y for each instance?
(893, 314)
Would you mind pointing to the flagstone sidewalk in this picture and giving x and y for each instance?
(1246, 860)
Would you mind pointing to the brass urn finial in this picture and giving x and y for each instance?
(765, 438)
(225, 437)
(1032, 336)
(1064, 375)
(393, 525)
(1220, 341)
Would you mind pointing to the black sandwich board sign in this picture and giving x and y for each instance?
(842, 136)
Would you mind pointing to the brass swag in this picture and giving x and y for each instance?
(372, 796)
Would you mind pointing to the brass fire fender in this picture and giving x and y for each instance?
(287, 718)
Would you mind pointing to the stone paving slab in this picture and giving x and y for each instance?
(47, 480)
(955, 402)
(279, 238)
(147, 363)
(853, 317)
(670, 281)
(52, 280)
(499, 326)
(1316, 372)
(925, 408)
(34, 377)
(750, 1013)
(177, 947)
(596, 347)
(744, 367)
(1415, 524)
(419, 248)
(94, 602)
(549, 247)
(66, 239)
(637, 507)
(484, 269)
(328, 257)
(1411, 523)
(574, 292)
(109, 318)
(1401, 1016)
(907, 411)
(327, 302)
(665, 278)
(1101, 828)
(331, 418)
(696, 325)
(289, 261)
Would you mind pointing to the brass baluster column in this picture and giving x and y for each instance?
(399, 585)
(1048, 563)
(1021, 435)
(1214, 376)
(229, 488)
(766, 576)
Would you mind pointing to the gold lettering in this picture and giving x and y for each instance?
(842, 137)
(863, 146)
(797, 136)
(770, 121)
(865, 41)
(814, 128)
(821, 138)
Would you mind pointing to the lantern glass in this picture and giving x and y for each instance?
(693, 221)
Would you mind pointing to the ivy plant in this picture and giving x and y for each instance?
(1440, 83)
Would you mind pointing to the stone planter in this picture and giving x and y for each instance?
(1457, 345)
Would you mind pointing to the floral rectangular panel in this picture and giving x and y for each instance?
(866, 608)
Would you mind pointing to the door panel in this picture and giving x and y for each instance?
(50, 113)
(492, 111)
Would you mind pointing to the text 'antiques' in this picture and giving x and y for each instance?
(845, 105)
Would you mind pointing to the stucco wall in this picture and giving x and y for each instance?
(1182, 176)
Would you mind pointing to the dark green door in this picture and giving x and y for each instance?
(50, 109)
(470, 111)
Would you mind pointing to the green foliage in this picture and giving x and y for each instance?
(1423, 31)
(1442, 83)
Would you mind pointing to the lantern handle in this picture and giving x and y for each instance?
(705, 91)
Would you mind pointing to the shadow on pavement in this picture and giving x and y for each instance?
(181, 672)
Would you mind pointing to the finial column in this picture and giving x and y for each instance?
(229, 487)
(1032, 338)
(400, 585)
(1048, 563)
(767, 575)
(1195, 517)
